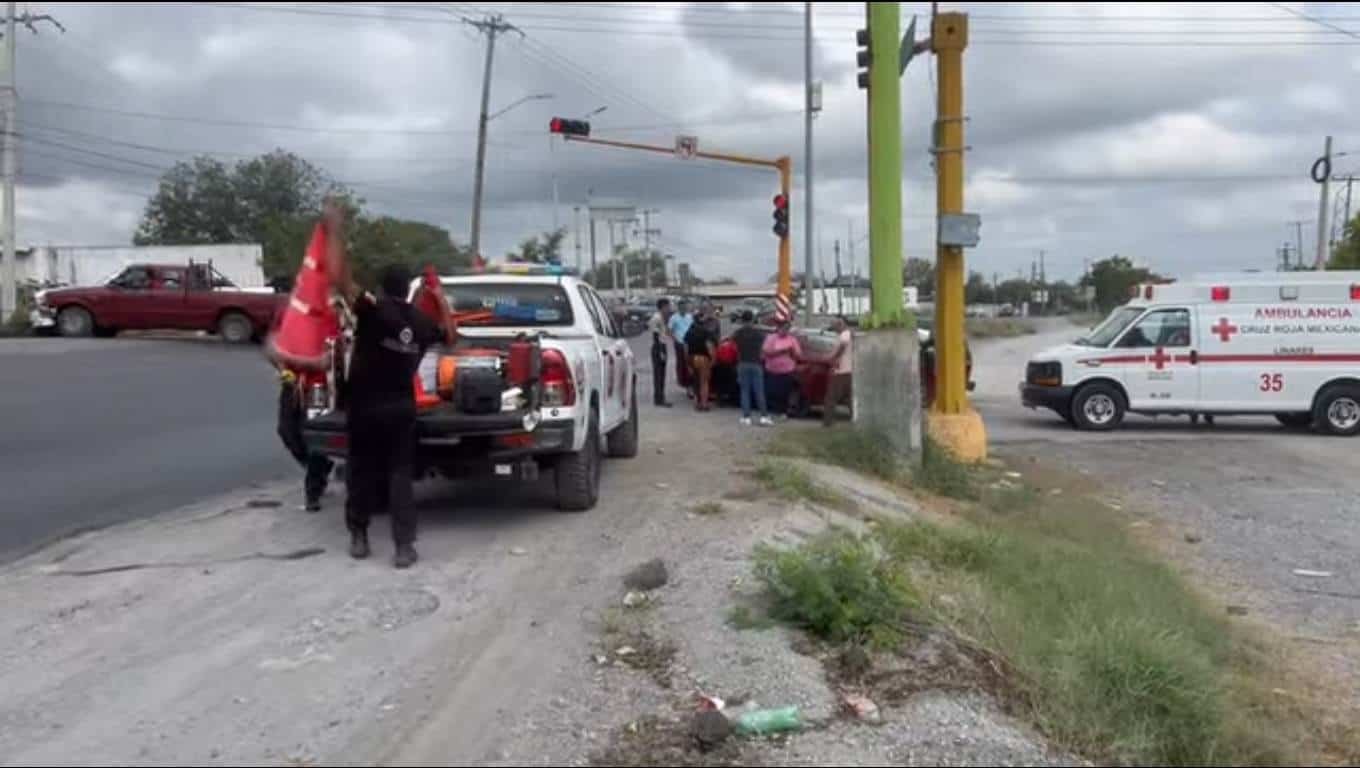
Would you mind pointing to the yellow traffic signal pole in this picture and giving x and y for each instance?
(952, 422)
(783, 164)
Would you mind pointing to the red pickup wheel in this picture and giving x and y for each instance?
(75, 322)
(235, 328)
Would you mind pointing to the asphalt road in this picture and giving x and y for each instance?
(98, 432)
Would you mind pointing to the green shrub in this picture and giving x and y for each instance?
(838, 587)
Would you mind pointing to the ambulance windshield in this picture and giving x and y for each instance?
(1114, 325)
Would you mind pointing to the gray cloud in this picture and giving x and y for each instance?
(1066, 122)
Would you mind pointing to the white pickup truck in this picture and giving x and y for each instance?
(483, 411)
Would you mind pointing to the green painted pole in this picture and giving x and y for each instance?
(885, 167)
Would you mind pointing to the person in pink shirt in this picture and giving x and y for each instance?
(781, 353)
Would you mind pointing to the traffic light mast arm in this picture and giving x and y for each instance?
(783, 164)
(740, 159)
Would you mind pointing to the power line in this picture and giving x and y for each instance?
(1315, 20)
(240, 123)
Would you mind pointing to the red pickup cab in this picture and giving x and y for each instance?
(193, 297)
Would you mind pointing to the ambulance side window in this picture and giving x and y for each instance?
(1164, 328)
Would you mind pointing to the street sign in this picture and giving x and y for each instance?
(686, 147)
(960, 229)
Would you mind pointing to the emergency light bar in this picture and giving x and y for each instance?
(538, 270)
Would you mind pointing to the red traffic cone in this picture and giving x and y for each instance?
(308, 321)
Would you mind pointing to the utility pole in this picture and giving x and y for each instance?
(809, 107)
(594, 266)
(836, 253)
(885, 166)
(9, 166)
(953, 421)
(647, 233)
(490, 26)
(576, 221)
(9, 100)
(850, 250)
(1346, 222)
(1043, 283)
(1298, 242)
(1321, 262)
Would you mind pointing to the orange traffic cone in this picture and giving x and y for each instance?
(308, 320)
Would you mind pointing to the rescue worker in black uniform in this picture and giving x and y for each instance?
(292, 391)
(390, 338)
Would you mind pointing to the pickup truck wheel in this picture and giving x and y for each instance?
(235, 328)
(1098, 407)
(578, 474)
(1338, 410)
(623, 441)
(74, 322)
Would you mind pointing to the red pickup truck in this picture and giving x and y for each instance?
(193, 297)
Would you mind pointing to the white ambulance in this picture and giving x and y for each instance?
(1281, 344)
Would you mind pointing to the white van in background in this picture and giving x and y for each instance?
(1285, 344)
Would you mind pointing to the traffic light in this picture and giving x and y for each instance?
(863, 57)
(568, 127)
(781, 215)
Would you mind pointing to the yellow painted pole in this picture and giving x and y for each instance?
(953, 422)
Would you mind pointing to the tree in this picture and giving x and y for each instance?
(1014, 292)
(1346, 255)
(920, 273)
(977, 290)
(637, 263)
(540, 249)
(271, 199)
(375, 242)
(1113, 278)
(274, 200)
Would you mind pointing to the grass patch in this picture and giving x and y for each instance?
(998, 327)
(942, 474)
(792, 483)
(838, 587)
(858, 450)
(1115, 656)
(709, 509)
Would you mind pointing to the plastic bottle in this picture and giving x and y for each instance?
(766, 721)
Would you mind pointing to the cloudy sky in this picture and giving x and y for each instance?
(1179, 134)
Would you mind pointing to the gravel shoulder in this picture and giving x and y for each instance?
(233, 633)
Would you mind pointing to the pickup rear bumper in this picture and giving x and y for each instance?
(445, 438)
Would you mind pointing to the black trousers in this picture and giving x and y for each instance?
(381, 442)
(659, 355)
(290, 432)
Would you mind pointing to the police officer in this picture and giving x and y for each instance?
(390, 338)
(292, 390)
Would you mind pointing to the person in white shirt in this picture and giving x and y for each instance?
(838, 385)
(662, 341)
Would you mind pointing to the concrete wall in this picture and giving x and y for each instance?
(887, 386)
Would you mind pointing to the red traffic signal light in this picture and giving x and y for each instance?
(569, 127)
(781, 215)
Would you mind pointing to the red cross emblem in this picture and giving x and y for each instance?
(1224, 329)
(1159, 359)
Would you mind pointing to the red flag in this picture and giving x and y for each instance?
(430, 300)
(307, 320)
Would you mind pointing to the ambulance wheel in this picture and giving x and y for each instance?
(1338, 410)
(1098, 407)
(1295, 420)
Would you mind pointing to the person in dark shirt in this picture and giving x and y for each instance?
(701, 343)
(390, 338)
(751, 369)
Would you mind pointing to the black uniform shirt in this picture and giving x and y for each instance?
(390, 339)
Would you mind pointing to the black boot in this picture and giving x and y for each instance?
(358, 545)
(406, 556)
(314, 504)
